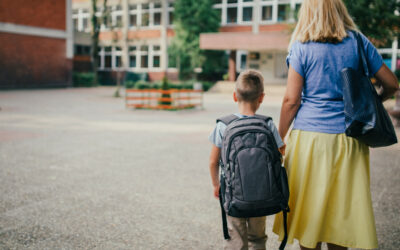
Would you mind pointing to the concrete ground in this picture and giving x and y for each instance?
(79, 171)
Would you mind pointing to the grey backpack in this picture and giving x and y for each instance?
(253, 181)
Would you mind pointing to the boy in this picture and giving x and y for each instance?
(249, 94)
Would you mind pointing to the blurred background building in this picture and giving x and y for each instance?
(36, 43)
(137, 34)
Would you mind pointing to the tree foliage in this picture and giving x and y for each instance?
(191, 17)
(376, 19)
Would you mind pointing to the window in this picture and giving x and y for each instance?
(81, 19)
(243, 61)
(107, 61)
(217, 1)
(170, 13)
(145, 56)
(132, 7)
(296, 11)
(156, 61)
(232, 1)
(144, 62)
(157, 18)
(82, 49)
(171, 17)
(145, 19)
(231, 15)
(118, 63)
(283, 12)
(132, 61)
(132, 20)
(76, 24)
(247, 14)
(118, 21)
(266, 14)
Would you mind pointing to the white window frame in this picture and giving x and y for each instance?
(169, 9)
(150, 53)
(114, 54)
(224, 5)
(134, 12)
(133, 53)
(114, 14)
(80, 16)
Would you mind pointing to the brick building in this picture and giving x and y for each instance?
(136, 35)
(36, 43)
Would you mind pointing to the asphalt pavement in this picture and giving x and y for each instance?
(80, 171)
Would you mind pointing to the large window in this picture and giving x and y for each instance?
(145, 15)
(81, 19)
(117, 16)
(110, 57)
(242, 12)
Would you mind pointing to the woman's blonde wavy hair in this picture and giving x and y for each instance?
(322, 21)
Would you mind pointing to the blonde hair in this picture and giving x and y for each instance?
(322, 21)
(249, 86)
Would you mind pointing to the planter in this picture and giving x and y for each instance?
(395, 111)
(171, 99)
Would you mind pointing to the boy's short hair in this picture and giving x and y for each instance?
(249, 86)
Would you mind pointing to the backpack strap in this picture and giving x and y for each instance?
(285, 237)
(263, 117)
(227, 119)
(224, 221)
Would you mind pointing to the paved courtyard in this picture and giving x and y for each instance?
(79, 171)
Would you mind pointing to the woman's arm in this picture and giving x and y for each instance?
(388, 81)
(291, 101)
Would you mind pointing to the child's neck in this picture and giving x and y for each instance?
(247, 109)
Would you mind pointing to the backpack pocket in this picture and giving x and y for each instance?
(252, 181)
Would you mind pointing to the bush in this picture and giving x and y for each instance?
(207, 85)
(83, 79)
(142, 85)
(129, 84)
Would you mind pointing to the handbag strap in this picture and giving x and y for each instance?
(360, 47)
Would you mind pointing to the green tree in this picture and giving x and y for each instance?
(191, 17)
(376, 19)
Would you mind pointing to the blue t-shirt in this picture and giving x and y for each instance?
(219, 130)
(322, 108)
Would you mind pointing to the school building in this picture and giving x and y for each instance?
(136, 33)
(36, 39)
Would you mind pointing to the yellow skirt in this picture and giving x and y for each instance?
(330, 198)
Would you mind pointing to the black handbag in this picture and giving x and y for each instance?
(365, 117)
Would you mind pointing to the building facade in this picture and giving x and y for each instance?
(136, 33)
(36, 39)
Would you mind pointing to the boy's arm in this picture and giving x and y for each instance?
(214, 169)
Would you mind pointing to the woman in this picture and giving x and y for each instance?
(330, 196)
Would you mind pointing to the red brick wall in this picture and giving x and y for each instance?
(30, 61)
(40, 13)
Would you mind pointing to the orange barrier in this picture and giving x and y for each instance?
(153, 98)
